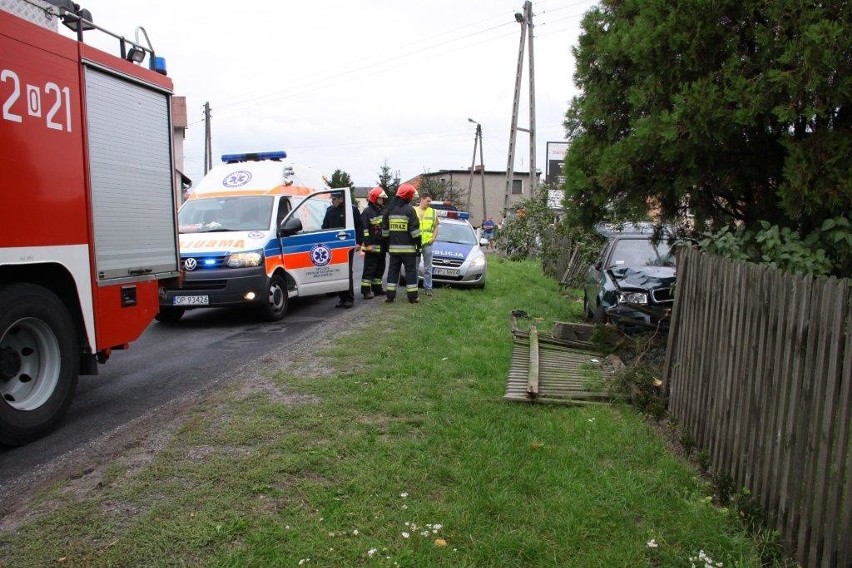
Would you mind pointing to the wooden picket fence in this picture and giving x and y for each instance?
(571, 263)
(758, 371)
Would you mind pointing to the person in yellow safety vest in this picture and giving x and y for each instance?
(428, 233)
(374, 251)
(401, 227)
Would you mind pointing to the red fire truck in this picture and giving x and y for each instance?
(87, 206)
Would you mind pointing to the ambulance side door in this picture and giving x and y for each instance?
(318, 259)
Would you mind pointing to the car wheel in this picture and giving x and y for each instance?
(169, 315)
(38, 362)
(276, 300)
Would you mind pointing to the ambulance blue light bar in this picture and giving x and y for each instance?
(452, 214)
(254, 157)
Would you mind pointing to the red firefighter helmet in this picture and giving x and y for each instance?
(406, 191)
(375, 194)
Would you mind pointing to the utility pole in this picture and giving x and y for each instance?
(525, 19)
(208, 144)
(478, 139)
(533, 177)
(482, 172)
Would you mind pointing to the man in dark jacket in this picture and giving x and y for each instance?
(373, 245)
(335, 218)
(401, 227)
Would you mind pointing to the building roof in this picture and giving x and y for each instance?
(361, 192)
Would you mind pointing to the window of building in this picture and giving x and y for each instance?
(517, 187)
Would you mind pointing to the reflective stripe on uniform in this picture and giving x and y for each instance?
(398, 223)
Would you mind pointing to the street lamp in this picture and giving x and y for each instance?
(477, 139)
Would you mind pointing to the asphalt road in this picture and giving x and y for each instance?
(166, 364)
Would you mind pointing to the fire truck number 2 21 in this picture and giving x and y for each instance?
(58, 117)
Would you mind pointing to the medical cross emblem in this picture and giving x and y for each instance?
(320, 255)
(236, 179)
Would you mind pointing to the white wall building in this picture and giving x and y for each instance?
(495, 191)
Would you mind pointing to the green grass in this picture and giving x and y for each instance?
(406, 434)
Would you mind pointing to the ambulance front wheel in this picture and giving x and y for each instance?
(38, 362)
(276, 299)
(169, 315)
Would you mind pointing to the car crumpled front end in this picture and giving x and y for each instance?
(640, 297)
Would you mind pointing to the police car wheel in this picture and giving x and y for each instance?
(276, 301)
(169, 315)
(38, 362)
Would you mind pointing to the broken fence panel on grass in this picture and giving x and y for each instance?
(553, 370)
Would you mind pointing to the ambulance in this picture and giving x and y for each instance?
(252, 236)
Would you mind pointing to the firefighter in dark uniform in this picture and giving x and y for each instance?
(401, 227)
(335, 218)
(373, 245)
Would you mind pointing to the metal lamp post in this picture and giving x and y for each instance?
(477, 139)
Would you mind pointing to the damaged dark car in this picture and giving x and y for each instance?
(632, 284)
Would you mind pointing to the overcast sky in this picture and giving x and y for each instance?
(350, 85)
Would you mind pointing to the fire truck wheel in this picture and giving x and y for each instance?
(276, 301)
(169, 315)
(38, 362)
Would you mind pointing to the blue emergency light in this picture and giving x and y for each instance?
(254, 157)
(158, 65)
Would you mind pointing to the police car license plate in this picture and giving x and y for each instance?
(191, 300)
(445, 272)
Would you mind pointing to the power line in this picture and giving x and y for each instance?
(330, 78)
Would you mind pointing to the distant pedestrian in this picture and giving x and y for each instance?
(373, 245)
(402, 228)
(488, 230)
(428, 233)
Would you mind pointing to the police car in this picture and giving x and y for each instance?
(457, 256)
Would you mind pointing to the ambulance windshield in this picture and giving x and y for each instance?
(215, 214)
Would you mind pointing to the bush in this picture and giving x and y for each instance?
(524, 228)
(826, 251)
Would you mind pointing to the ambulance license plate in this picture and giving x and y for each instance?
(445, 272)
(191, 300)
